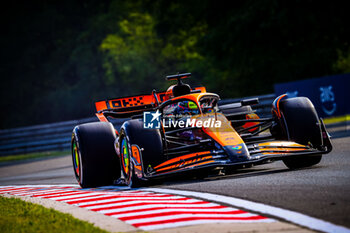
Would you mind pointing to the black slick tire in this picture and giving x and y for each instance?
(95, 161)
(301, 124)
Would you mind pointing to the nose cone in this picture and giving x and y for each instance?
(237, 153)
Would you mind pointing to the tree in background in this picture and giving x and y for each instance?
(60, 56)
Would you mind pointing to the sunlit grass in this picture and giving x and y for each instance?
(19, 216)
(9, 158)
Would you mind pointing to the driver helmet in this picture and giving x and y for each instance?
(186, 107)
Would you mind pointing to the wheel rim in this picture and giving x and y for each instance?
(125, 157)
(76, 163)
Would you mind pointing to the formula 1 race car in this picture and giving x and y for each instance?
(184, 130)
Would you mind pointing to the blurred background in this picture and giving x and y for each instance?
(59, 57)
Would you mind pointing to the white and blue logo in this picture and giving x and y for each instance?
(328, 100)
(151, 120)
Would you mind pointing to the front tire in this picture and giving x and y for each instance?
(95, 161)
(149, 140)
(301, 162)
(300, 123)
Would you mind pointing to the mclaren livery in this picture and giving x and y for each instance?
(184, 131)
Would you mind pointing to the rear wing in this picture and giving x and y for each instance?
(133, 105)
(128, 106)
(129, 103)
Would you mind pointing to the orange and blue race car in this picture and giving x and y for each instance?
(184, 131)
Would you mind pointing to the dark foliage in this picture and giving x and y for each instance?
(58, 57)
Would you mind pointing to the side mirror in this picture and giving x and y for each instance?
(252, 101)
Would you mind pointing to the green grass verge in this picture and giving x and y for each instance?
(9, 158)
(19, 216)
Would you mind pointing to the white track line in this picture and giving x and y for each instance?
(288, 215)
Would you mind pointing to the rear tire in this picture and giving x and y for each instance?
(243, 109)
(241, 113)
(95, 161)
(300, 123)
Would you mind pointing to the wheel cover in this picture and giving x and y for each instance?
(125, 156)
(76, 159)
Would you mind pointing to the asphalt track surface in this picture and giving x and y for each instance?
(322, 191)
